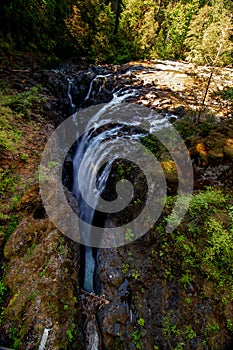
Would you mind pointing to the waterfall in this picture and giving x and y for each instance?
(72, 105)
(99, 76)
(89, 264)
(91, 154)
(92, 147)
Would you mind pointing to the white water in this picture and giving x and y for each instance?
(100, 76)
(91, 155)
(72, 105)
(92, 152)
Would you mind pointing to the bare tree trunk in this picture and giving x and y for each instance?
(117, 11)
(211, 76)
(204, 98)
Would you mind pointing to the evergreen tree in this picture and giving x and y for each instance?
(209, 36)
(92, 25)
(35, 24)
(121, 30)
(174, 28)
(138, 27)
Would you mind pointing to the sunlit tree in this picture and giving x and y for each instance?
(173, 30)
(209, 36)
(92, 25)
(138, 26)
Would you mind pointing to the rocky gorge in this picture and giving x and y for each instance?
(163, 291)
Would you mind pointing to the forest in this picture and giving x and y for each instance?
(121, 30)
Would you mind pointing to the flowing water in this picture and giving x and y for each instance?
(96, 148)
(92, 151)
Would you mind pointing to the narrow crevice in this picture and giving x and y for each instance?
(82, 268)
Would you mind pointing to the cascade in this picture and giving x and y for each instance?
(99, 76)
(97, 153)
(72, 105)
(92, 150)
(87, 146)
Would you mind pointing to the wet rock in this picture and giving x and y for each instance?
(80, 86)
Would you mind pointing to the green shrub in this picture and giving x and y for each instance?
(227, 93)
(22, 102)
(9, 134)
(207, 202)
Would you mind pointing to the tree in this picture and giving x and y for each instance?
(35, 24)
(209, 37)
(92, 25)
(138, 27)
(174, 28)
(211, 43)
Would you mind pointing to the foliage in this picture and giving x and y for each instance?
(227, 93)
(218, 253)
(2, 290)
(91, 24)
(176, 24)
(169, 327)
(14, 107)
(35, 24)
(211, 43)
(141, 322)
(138, 26)
(207, 202)
(12, 224)
(9, 134)
(137, 339)
(207, 241)
(13, 332)
(150, 142)
(22, 102)
(7, 182)
(129, 235)
(186, 278)
(119, 31)
(19, 105)
(71, 333)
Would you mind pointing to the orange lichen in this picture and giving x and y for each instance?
(229, 142)
(200, 148)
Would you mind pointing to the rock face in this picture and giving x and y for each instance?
(150, 305)
(40, 278)
(38, 258)
(145, 300)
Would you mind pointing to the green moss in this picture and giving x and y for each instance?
(8, 182)
(150, 142)
(3, 290)
(12, 224)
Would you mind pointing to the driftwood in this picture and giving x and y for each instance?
(94, 300)
(44, 339)
(92, 303)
